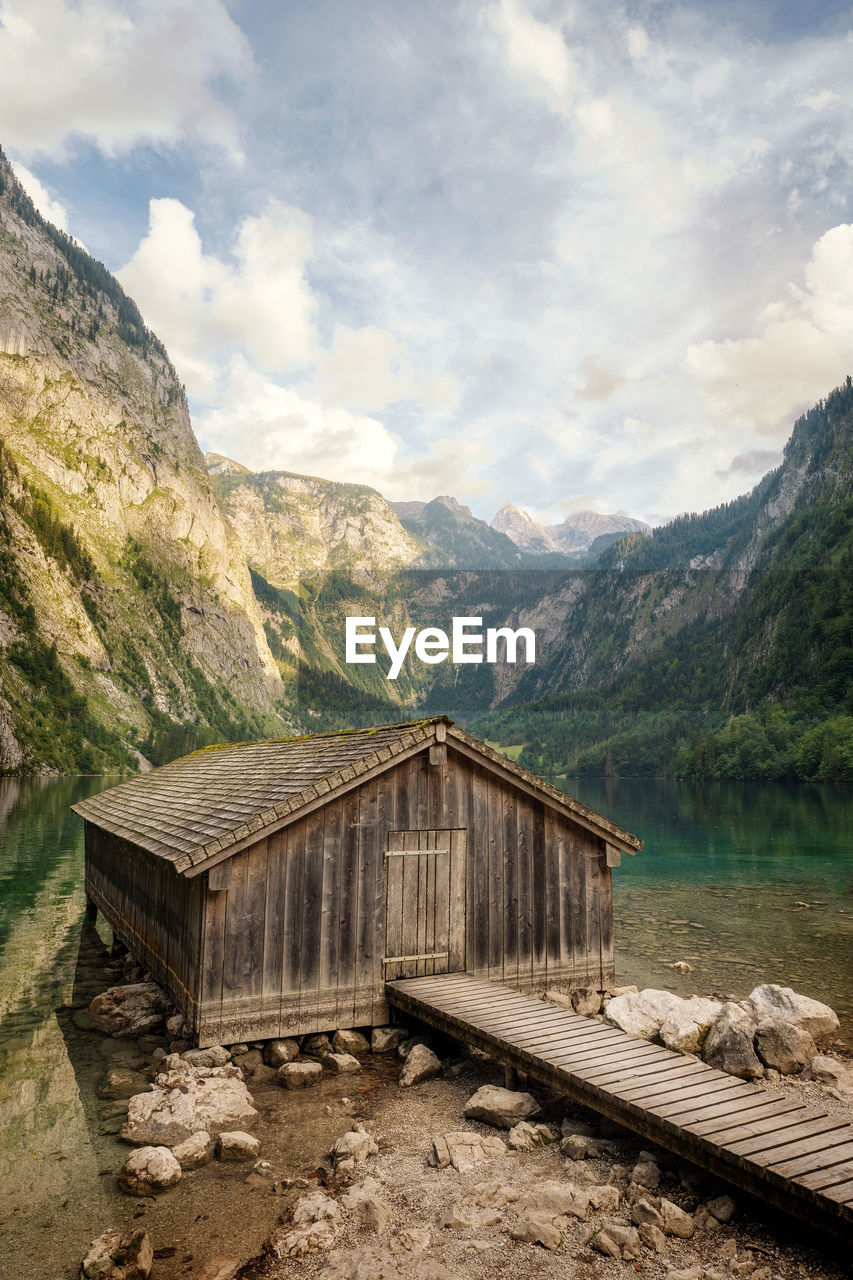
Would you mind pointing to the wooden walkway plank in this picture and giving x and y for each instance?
(797, 1158)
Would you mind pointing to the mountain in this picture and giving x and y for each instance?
(520, 527)
(718, 645)
(580, 532)
(126, 605)
(292, 525)
(454, 537)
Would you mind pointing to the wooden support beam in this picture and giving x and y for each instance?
(438, 753)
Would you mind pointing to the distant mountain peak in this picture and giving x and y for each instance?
(218, 465)
(520, 527)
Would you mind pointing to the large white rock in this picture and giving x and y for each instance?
(500, 1107)
(783, 1045)
(130, 1011)
(148, 1170)
(237, 1145)
(685, 1028)
(772, 1001)
(641, 1013)
(185, 1100)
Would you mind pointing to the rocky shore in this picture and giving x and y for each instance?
(437, 1171)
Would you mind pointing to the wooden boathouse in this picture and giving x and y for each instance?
(273, 888)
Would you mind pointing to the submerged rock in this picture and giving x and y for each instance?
(237, 1145)
(195, 1151)
(149, 1170)
(185, 1100)
(130, 1011)
(114, 1256)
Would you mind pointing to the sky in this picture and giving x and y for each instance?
(554, 253)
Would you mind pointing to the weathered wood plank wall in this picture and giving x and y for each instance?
(296, 942)
(287, 936)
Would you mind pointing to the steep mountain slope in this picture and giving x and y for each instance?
(745, 611)
(126, 605)
(292, 525)
(455, 538)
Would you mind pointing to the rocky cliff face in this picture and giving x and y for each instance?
(126, 599)
(292, 525)
(520, 527)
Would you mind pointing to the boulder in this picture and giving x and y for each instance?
(615, 1240)
(421, 1064)
(216, 1056)
(251, 1063)
(559, 998)
(558, 1199)
(676, 1222)
(195, 1151)
(120, 1082)
(501, 1107)
(524, 1136)
(685, 1028)
(723, 1208)
(219, 1267)
(464, 1150)
(341, 1064)
(586, 1002)
(644, 1213)
(829, 1071)
(605, 1198)
(300, 1075)
(130, 1011)
(783, 1046)
(772, 1001)
(386, 1039)
(149, 1170)
(316, 1045)
(353, 1042)
(642, 1013)
(114, 1256)
(298, 1242)
(366, 1206)
(186, 1100)
(176, 1028)
(237, 1146)
(729, 1044)
(316, 1207)
(536, 1228)
(277, 1053)
(652, 1237)
(493, 1195)
(354, 1147)
(646, 1174)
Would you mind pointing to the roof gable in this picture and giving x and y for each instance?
(206, 806)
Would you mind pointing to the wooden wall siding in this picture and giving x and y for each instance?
(295, 943)
(153, 910)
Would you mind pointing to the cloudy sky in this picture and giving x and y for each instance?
(545, 252)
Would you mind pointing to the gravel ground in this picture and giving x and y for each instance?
(768, 1245)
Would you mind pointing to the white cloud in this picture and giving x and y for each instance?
(270, 427)
(205, 308)
(116, 74)
(536, 52)
(800, 349)
(49, 208)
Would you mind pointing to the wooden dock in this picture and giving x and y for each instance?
(795, 1157)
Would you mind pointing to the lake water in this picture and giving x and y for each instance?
(748, 883)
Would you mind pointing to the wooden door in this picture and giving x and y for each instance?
(424, 903)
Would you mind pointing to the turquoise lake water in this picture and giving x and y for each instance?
(746, 882)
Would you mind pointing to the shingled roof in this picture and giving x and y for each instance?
(196, 808)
